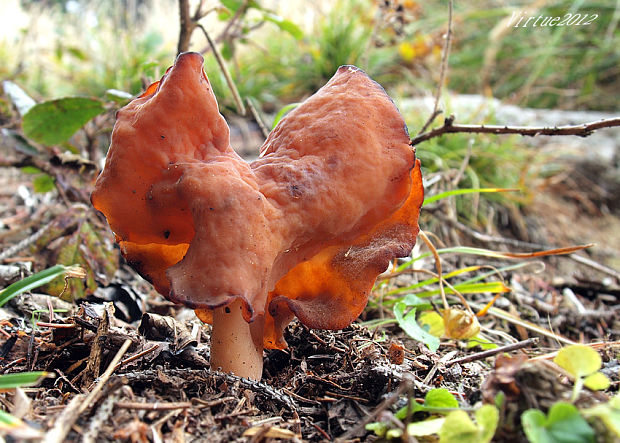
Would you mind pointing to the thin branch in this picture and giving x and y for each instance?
(582, 130)
(442, 74)
(153, 406)
(259, 121)
(198, 13)
(492, 352)
(433, 250)
(187, 26)
(233, 21)
(229, 81)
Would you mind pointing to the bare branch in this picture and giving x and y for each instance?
(220, 61)
(492, 352)
(582, 130)
(442, 74)
(187, 26)
(259, 121)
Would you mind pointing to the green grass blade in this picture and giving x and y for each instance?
(432, 280)
(434, 198)
(17, 380)
(31, 282)
(487, 253)
(7, 421)
(504, 269)
(282, 112)
(493, 287)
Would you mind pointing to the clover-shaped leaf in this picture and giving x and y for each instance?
(583, 363)
(609, 414)
(563, 424)
(459, 427)
(440, 398)
(579, 360)
(435, 399)
(596, 382)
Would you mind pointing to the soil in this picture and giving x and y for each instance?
(327, 385)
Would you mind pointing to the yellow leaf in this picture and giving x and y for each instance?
(596, 382)
(434, 321)
(579, 360)
(271, 432)
(459, 324)
(406, 51)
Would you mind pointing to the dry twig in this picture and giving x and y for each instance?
(222, 64)
(80, 403)
(582, 130)
(442, 74)
(492, 352)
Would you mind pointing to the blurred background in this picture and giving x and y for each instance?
(281, 51)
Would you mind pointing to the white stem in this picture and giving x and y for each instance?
(237, 346)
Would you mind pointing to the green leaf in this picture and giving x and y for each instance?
(440, 398)
(224, 14)
(379, 428)
(226, 51)
(31, 170)
(18, 380)
(55, 121)
(412, 328)
(33, 281)
(458, 427)
(425, 427)
(479, 341)
(284, 25)
(410, 409)
(43, 183)
(596, 382)
(233, 5)
(436, 400)
(433, 322)
(564, 424)
(13, 140)
(579, 360)
(77, 53)
(608, 413)
(488, 418)
(412, 300)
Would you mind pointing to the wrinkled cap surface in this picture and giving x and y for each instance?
(302, 231)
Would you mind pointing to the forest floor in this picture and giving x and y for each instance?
(328, 384)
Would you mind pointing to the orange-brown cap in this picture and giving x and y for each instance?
(304, 230)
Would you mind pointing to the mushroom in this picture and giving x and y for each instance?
(302, 231)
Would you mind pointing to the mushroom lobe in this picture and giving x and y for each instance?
(302, 231)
